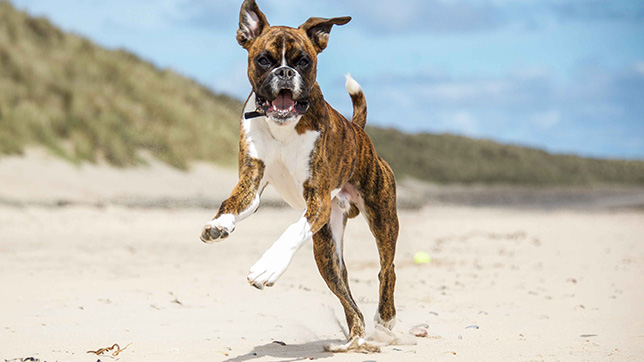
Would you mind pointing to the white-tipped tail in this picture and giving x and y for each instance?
(352, 86)
(359, 102)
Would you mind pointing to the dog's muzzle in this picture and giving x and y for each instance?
(281, 97)
(283, 107)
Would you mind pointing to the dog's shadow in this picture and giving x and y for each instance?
(289, 352)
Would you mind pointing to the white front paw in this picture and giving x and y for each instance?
(269, 268)
(218, 228)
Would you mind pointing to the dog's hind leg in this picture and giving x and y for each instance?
(380, 212)
(327, 246)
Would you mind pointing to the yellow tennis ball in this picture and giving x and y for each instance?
(422, 257)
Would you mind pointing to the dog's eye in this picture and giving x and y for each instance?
(263, 61)
(303, 62)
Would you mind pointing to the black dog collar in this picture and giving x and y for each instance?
(254, 114)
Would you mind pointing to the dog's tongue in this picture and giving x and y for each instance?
(284, 100)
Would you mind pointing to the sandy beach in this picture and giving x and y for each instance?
(503, 283)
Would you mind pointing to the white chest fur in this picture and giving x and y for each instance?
(285, 153)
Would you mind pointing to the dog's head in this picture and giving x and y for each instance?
(282, 61)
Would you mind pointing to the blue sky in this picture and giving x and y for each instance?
(563, 75)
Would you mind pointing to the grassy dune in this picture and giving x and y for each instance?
(448, 159)
(87, 103)
(84, 102)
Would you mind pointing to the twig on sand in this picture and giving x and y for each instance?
(115, 353)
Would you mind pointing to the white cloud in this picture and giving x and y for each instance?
(460, 91)
(428, 15)
(547, 120)
(461, 122)
(532, 72)
(639, 68)
(234, 82)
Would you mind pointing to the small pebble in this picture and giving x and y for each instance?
(418, 332)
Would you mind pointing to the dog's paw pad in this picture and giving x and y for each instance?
(218, 229)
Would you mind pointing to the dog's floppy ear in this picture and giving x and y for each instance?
(318, 29)
(252, 23)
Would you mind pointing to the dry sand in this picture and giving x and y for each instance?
(553, 285)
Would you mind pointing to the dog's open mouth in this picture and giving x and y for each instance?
(283, 108)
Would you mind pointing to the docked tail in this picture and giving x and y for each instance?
(359, 102)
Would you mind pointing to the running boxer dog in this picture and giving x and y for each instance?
(316, 159)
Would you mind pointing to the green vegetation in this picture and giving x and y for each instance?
(87, 103)
(84, 102)
(448, 159)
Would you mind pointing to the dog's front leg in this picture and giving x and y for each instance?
(242, 203)
(277, 258)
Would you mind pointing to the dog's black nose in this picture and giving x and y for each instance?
(285, 73)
